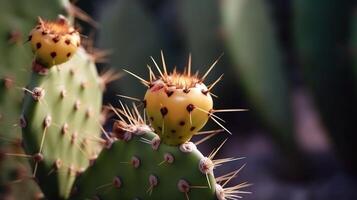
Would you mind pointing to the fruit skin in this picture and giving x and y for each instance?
(54, 42)
(113, 162)
(60, 123)
(177, 113)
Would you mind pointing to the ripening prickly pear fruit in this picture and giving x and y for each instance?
(178, 106)
(54, 42)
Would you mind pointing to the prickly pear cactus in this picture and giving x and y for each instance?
(161, 165)
(142, 167)
(60, 119)
(16, 20)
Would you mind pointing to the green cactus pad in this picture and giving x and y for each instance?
(139, 167)
(16, 20)
(61, 127)
(323, 36)
(253, 44)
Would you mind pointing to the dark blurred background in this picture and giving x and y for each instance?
(292, 63)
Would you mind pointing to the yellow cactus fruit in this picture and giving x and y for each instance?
(178, 106)
(54, 42)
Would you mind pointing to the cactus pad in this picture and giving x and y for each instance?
(60, 121)
(16, 20)
(141, 167)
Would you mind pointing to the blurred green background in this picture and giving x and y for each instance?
(292, 63)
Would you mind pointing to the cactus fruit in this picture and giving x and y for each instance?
(140, 166)
(54, 42)
(60, 121)
(178, 105)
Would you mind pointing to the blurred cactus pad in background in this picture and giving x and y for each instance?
(137, 99)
